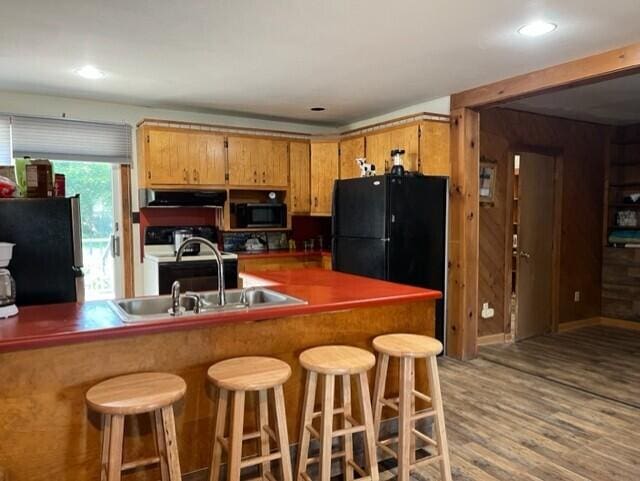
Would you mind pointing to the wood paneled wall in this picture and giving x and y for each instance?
(584, 148)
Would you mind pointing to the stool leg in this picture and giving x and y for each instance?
(404, 420)
(106, 439)
(161, 446)
(412, 410)
(326, 426)
(441, 435)
(283, 437)
(367, 418)
(116, 440)
(307, 413)
(171, 443)
(263, 420)
(218, 432)
(378, 391)
(235, 436)
(348, 439)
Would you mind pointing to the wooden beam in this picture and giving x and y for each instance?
(462, 319)
(585, 70)
(127, 231)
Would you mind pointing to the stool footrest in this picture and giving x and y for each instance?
(139, 463)
(247, 463)
(316, 459)
(357, 469)
(335, 411)
(390, 403)
(340, 432)
(384, 446)
(248, 437)
(422, 396)
(427, 461)
(424, 437)
(427, 413)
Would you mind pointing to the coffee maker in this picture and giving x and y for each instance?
(7, 284)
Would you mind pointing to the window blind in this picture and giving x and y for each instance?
(62, 139)
(5, 140)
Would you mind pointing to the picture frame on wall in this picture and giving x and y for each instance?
(487, 182)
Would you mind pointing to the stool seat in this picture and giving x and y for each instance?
(136, 393)
(337, 360)
(407, 345)
(251, 373)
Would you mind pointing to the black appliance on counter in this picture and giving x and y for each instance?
(47, 257)
(393, 228)
(181, 198)
(196, 272)
(259, 215)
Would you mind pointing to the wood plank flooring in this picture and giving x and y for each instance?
(509, 424)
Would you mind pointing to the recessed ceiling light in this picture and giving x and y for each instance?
(537, 28)
(317, 109)
(90, 72)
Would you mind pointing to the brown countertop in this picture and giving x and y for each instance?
(324, 290)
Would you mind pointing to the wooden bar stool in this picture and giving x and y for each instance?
(150, 392)
(238, 376)
(408, 347)
(332, 361)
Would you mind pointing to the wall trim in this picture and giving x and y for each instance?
(599, 321)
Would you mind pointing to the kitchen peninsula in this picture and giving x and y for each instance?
(51, 355)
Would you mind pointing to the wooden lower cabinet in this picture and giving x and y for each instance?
(278, 263)
(299, 178)
(324, 172)
(350, 150)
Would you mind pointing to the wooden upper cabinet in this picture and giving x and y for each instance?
(275, 167)
(350, 150)
(407, 138)
(324, 171)
(434, 148)
(300, 178)
(379, 146)
(206, 159)
(174, 157)
(258, 161)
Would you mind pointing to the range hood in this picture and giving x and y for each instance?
(181, 198)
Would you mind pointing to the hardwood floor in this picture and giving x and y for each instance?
(580, 421)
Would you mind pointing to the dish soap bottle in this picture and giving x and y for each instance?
(397, 168)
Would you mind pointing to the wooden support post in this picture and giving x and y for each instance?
(462, 318)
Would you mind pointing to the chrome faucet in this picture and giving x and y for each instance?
(175, 299)
(222, 299)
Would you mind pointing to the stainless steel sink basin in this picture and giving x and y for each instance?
(144, 309)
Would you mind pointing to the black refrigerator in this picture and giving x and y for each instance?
(393, 228)
(47, 257)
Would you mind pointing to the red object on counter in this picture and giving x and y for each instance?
(324, 290)
(59, 186)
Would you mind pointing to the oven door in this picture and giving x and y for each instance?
(196, 275)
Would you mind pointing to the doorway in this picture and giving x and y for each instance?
(98, 185)
(535, 243)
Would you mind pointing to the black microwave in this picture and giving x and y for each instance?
(249, 216)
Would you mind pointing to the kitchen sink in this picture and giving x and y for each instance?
(144, 309)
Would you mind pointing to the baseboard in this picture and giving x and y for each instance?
(599, 321)
(569, 326)
(621, 323)
(499, 338)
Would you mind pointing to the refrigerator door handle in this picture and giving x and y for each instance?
(76, 231)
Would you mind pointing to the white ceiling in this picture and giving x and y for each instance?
(277, 58)
(612, 102)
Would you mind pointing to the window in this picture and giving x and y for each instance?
(5, 140)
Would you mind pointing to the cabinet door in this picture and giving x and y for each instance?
(166, 156)
(275, 167)
(434, 148)
(206, 159)
(243, 154)
(300, 175)
(324, 171)
(350, 150)
(378, 148)
(407, 138)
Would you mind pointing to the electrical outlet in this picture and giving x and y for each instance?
(576, 296)
(486, 311)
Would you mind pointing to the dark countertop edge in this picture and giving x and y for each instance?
(280, 253)
(200, 322)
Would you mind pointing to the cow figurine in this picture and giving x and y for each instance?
(366, 170)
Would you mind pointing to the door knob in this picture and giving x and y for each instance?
(525, 254)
